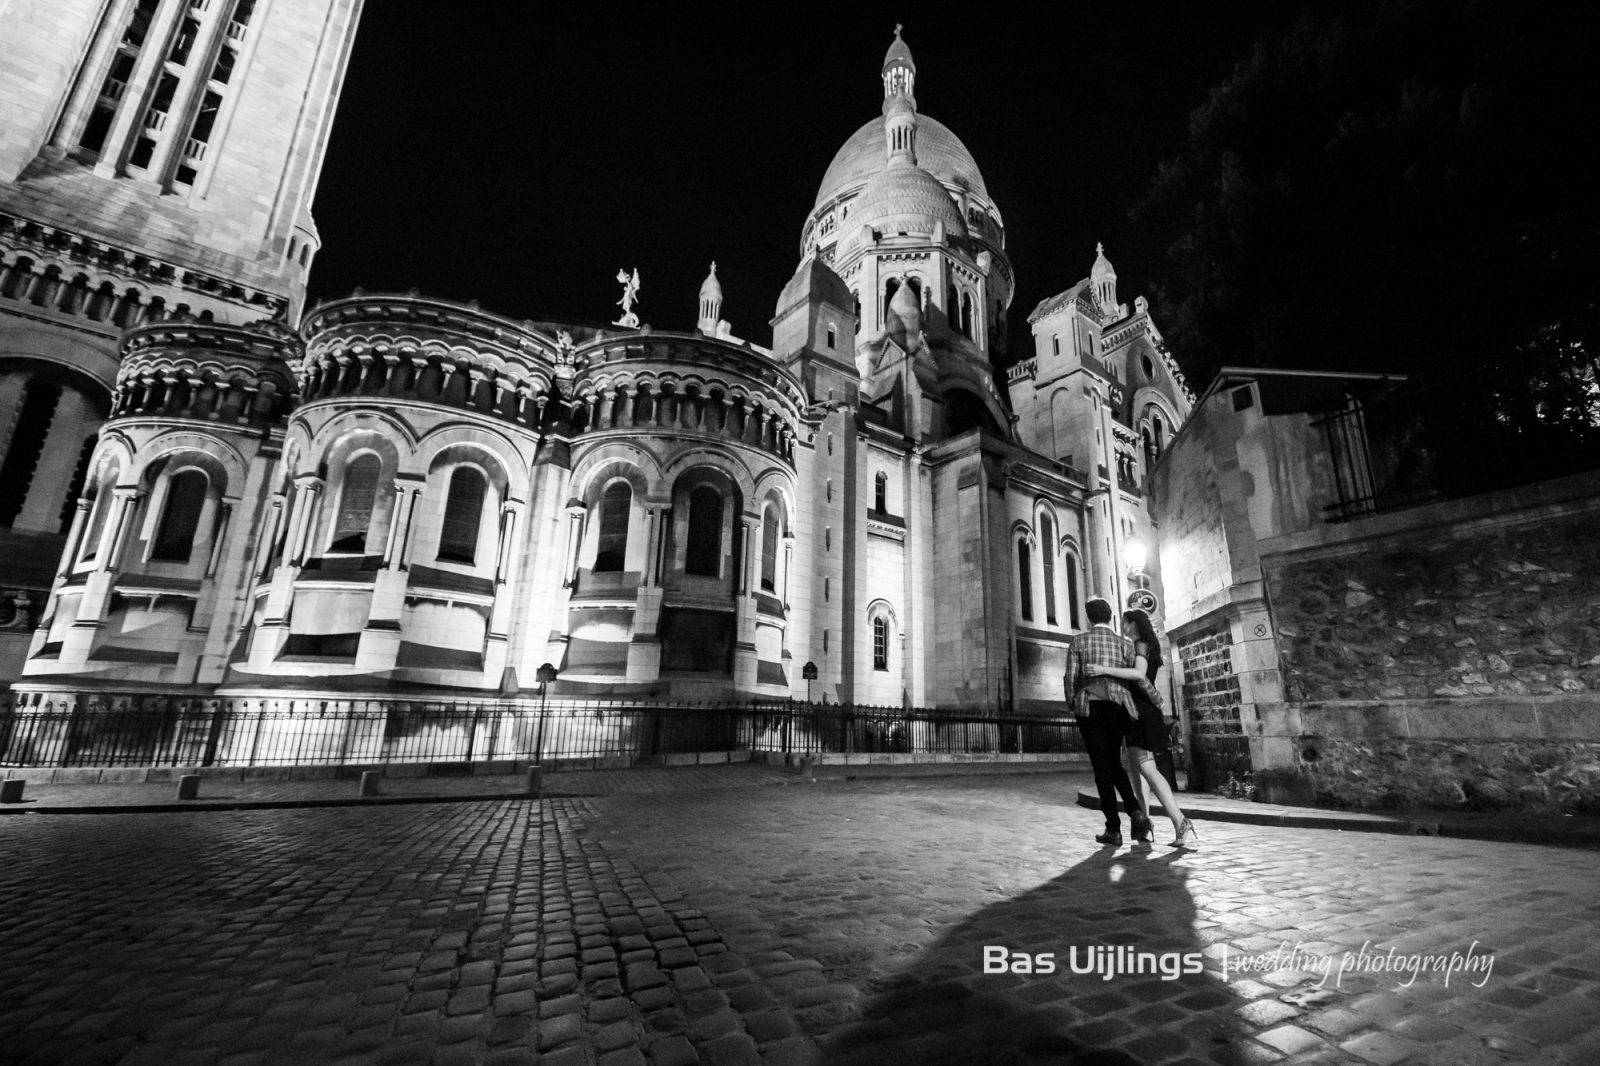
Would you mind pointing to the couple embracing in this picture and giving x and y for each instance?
(1110, 685)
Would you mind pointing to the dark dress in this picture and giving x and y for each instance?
(1149, 731)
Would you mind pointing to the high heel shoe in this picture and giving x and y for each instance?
(1187, 837)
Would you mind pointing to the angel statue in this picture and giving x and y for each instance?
(630, 295)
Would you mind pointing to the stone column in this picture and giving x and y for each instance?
(575, 513)
(129, 120)
(309, 488)
(744, 629)
(80, 516)
(95, 68)
(219, 536)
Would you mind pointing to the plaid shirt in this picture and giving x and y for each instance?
(1106, 647)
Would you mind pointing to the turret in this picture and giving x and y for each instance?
(899, 105)
(1103, 281)
(710, 303)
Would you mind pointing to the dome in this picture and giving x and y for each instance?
(905, 197)
(939, 152)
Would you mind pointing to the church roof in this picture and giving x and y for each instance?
(1051, 304)
(816, 280)
(939, 152)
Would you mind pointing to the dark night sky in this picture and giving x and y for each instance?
(518, 154)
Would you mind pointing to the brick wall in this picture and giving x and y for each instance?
(1211, 694)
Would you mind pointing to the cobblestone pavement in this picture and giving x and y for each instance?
(842, 923)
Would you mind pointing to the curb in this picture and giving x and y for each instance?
(1376, 823)
(276, 805)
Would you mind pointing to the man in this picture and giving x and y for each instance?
(1104, 726)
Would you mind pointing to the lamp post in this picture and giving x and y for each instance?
(546, 674)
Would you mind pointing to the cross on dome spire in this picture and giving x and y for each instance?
(899, 106)
(899, 69)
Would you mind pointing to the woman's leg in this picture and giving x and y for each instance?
(1158, 784)
(1133, 778)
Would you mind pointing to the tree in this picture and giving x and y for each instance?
(1408, 186)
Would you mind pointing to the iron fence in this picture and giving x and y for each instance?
(1459, 436)
(109, 730)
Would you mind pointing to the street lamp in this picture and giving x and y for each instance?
(546, 674)
(1135, 554)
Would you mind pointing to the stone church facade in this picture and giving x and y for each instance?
(402, 497)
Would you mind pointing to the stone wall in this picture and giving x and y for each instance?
(1504, 613)
(1450, 666)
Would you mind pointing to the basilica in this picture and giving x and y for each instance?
(207, 490)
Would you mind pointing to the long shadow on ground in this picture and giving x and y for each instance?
(945, 1009)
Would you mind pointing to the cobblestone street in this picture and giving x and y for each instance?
(842, 922)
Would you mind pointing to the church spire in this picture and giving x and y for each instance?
(1103, 280)
(710, 302)
(899, 70)
(899, 105)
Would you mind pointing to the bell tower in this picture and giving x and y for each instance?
(158, 160)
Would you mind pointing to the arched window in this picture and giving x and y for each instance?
(769, 550)
(1047, 540)
(880, 643)
(180, 517)
(952, 306)
(703, 554)
(880, 493)
(1073, 619)
(857, 296)
(966, 313)
(463, 514)
(890, 287)
(1160, 429)
(356, 500)
(615, 503)
(1025, 579)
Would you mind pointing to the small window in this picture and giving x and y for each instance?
(880, 493)
(612, 550)
(356, 501)
(769, 551)
(180, 517)
(1072, 591)
(463, 515)
(1025, 579)
(1243, 399)
(824, 642)
(1147, 366)
(1047, 539)
(880, 643)
(831, 334)
(1055, 344)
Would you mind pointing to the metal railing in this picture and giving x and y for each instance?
(1459, 436)
(99, 729)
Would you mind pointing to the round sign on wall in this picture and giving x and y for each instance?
(1142, 600)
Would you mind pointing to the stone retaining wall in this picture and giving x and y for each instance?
(1452, 667)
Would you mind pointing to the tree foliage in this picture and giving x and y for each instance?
(1406, 186)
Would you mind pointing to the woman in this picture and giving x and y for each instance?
(1148, 733)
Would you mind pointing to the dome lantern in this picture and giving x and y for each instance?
(899, 107)
(1103, 279)
(710, 302)
(899, 70)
